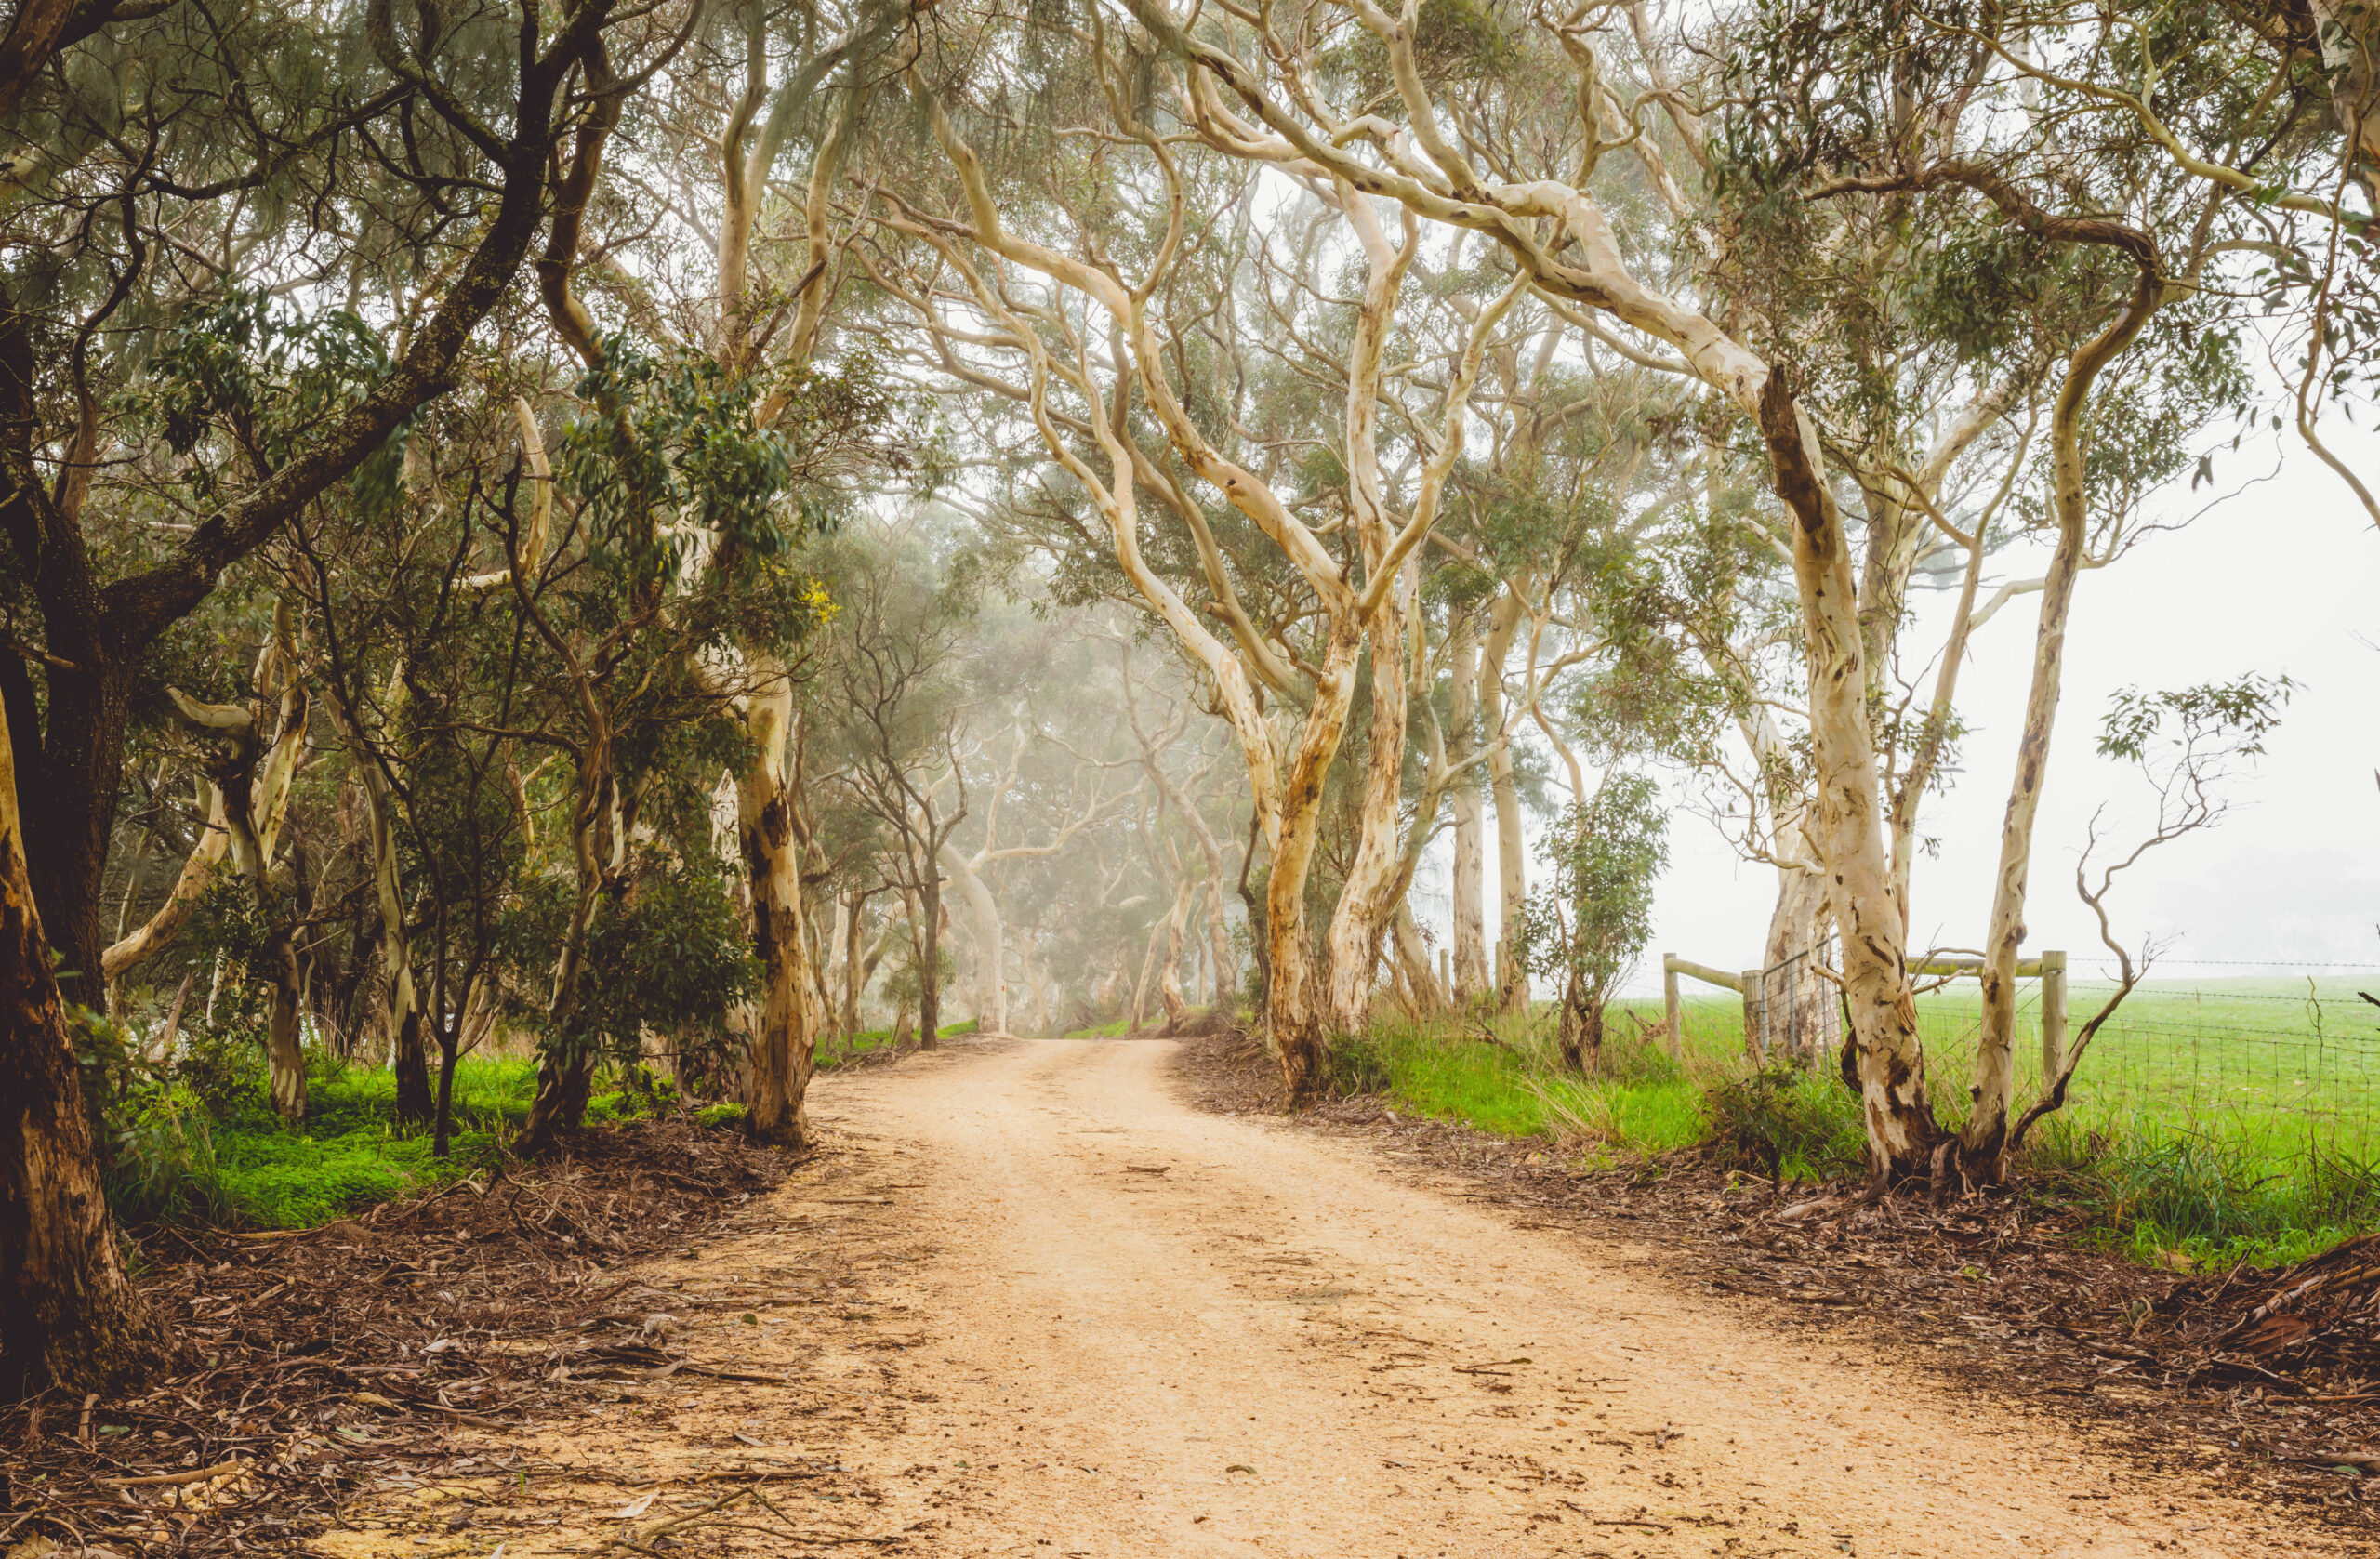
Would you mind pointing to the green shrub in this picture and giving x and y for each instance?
(1358, 1067)
(222, 1065)
(729, 1113)
(1788, 1123)
(165, 1169)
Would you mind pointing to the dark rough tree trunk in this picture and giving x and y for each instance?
(70, 801)
(69, 1314)
(410, 1060)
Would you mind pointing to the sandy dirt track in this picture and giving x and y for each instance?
(1114, 1325)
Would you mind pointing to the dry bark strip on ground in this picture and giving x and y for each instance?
(2266, 1382)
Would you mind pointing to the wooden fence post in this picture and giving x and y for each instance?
(1445, 975)
(1756, 989)
(2052, 1017)
(1670, 1007)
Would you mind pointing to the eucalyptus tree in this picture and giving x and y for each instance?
(1340, 527)
(162, 425)
(896, 703)
(169, 165)
(1452, 150)
(757, 319)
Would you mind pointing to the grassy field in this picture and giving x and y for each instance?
(2213, 1120)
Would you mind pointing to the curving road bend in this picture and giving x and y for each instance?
(1142, 1329)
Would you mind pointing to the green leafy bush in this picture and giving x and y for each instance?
(1787, 1123)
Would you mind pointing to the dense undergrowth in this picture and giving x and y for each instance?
(2163, 1189)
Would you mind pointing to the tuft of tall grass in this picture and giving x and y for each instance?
(2207, 1193)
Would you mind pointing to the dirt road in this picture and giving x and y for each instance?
(1112, 1325)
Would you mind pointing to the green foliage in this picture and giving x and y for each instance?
(1456, 41)
(2238, 714)
(673, 955)
(1587, 924)
(221, 1065)
(1789, 1124)
(235, 1165)
(245, 379)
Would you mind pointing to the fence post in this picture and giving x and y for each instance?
(1670, 1007)
(2052, 1017)
(1756, 1015)
(1445, 975)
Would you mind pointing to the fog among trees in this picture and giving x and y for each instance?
(697, 536)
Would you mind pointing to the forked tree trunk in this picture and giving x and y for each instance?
(1414, 958)
(1169, 979)
(1582, 1027)
(1295, 1011)
(1846, 824)
(69, 1314)
(1372, 892)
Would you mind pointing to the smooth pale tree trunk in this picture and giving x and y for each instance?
(69, 1314)
(1373, 892)
(1983, 1142)
(1295, 1012)
(1845, 824)
(1168, 984)
(159, 930)
(990, 980)
(783, 1049)
(1470, 885)
(1796, 926)
(1511, 870)
(1036, 983)
(1414, 958)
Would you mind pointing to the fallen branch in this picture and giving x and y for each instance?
(160, 1480)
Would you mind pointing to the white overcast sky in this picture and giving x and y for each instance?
(2281, 579)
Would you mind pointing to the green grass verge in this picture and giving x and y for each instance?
(2159, 1166)
(832, 1052)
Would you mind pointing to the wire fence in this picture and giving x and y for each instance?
(2285, 1055)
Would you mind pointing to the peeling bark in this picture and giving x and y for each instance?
(69, 1314)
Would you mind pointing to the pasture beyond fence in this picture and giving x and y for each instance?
(2283, 1056)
